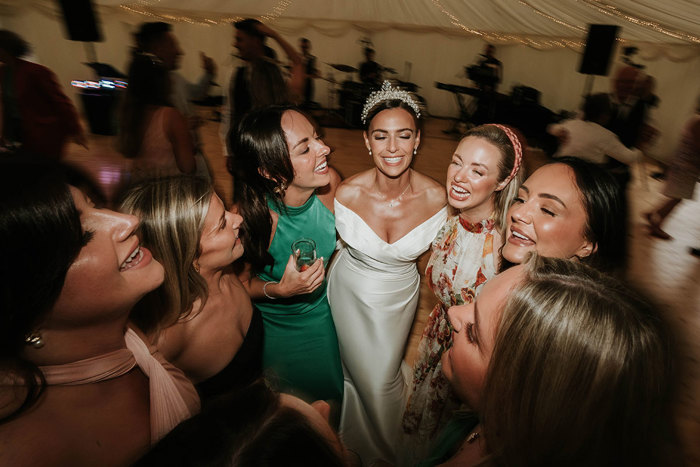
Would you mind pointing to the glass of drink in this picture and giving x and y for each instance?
(304, 251)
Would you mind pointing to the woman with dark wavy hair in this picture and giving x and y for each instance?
(569, 208)
(284, 189)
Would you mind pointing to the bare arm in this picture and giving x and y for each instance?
(296, 81)
(618, 151)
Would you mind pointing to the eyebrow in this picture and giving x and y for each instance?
(387, 131)
(305, 140)
(552, 197)
(544, 195)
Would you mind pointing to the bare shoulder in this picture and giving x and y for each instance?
(352, 188)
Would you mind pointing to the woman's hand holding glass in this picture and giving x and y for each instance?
(295, 282)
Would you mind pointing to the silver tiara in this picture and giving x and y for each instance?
(387, 93)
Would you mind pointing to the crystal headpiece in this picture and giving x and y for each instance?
(387, 93)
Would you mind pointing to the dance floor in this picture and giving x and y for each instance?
(663, 269)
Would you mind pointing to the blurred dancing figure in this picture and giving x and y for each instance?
(36, 114)
(682, 174)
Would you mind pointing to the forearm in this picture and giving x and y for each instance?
(289, 50)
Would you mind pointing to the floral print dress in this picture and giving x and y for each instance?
(462, 260)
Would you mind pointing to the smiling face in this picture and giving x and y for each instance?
(392, 137)
(307, 152)
(219, 245)
(548, 217)
(111, 273)
(474, 333)
(472, 177)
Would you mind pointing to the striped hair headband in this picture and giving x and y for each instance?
(517, 147)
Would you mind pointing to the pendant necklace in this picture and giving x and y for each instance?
(395, 201)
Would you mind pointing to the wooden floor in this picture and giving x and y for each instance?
(664, 269)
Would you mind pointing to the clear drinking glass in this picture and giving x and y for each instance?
(304, 251)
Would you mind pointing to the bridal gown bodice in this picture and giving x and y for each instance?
(373, 291)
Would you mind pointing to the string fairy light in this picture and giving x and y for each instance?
(146, 8)
(529, 40)
(614, 11)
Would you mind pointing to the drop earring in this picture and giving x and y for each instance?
(415, 151)
(370, 153)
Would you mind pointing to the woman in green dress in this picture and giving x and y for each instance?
(284, 189)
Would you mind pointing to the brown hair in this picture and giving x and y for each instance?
(172, 212)
(580, 371)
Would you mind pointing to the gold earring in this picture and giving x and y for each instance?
(279, 189)
(35, 340)
(196, 266)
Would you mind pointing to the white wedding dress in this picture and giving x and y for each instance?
(373, 292)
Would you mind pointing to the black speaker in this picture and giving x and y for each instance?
(599, 47)
(79, 18)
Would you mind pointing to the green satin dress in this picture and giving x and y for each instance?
(300, 352)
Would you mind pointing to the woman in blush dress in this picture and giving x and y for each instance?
(152, 132)
(80, 385)
(482, 180)
(386, 217)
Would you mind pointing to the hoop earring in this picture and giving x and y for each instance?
(35, 340)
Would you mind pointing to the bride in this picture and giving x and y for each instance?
(385, 217)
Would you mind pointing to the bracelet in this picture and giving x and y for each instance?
(265, 291)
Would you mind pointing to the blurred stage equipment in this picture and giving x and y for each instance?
(99, 95)
(596, 56)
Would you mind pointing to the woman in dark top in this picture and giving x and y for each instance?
(213, 334)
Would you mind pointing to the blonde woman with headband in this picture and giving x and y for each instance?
(482, 180)
(386, 217)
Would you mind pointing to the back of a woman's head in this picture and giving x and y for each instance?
(580, 371)
(605, 213)
(40, 237)
(262, 169)
(245, 429)
(172, 212)
(149, 85)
